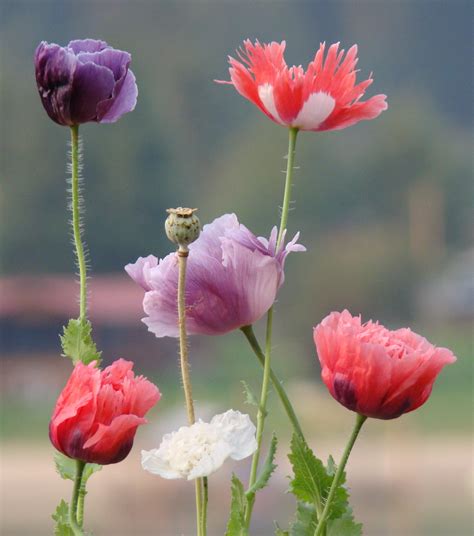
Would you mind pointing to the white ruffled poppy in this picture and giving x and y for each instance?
(200, 449)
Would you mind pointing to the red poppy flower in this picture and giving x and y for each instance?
(374, 371)
(98, 412)
(324, 97)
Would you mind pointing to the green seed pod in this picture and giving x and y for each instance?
(182, 226)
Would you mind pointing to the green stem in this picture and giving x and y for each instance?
(288, 182)
(360, 419)
(76, 529)
(251, 338)
(76, 221)
(262, 413)
(205, 500)
(293, 132)
(80, 504)
(185, 373)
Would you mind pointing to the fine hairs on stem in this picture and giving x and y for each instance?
(293, 132)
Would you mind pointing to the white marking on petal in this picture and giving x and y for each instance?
(315, 110)
(265, 92)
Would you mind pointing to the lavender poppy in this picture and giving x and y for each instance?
(85, 81)
(232, 280)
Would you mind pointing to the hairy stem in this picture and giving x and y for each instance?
(252, 339)
(262, 412)
(185, 373)
(360, 419)
(293, 132)
(76, 529)
(76, 221)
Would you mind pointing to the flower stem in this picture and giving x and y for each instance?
(76, 529)
(80, 504)
(360, 419)
(76, 221)
(293, 132)
(205, 486)
(262, 413)
(250, 335)
(183, 253)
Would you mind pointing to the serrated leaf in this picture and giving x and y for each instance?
(236, 523)
(61, 516)
(343, 527)
(250, 397)
(66, 467)
(267, 469)
(311, 481)
(306, 520)
(77, 343)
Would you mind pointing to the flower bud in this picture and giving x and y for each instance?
(182, 226)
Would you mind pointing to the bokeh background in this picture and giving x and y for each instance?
(384, 208)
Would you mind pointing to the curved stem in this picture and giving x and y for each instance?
(262, 413)
(360, 419)
(76, 529)
(76, 221)
(184, 361)
(252, 339)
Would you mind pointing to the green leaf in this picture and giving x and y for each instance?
(66, 467)
(250, 397)
(311, 481)
(61, 516)
(306, 520)
(236, 523)
(77, 343)
(267, 469)
(344, 527)
(280, 532)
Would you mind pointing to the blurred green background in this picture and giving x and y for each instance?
(384, 208)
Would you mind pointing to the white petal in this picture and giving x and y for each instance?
(265, 92)
(238, 431)
(152, 462)
(315, 110)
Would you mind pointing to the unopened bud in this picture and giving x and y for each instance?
(182, 226)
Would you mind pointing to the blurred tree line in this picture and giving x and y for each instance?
(379, 205)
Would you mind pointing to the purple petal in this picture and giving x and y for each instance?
(91, 85)
(87, 45)
(54, 70)
(123, 101)
(140, 270)
(117, 61)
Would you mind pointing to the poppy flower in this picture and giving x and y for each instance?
(98, 412)
(87, 80)
(200, 449)
(232, 279)
(325, 96)
(374, 371)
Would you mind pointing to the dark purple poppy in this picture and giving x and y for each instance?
(85, 81)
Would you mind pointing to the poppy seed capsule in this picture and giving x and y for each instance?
(182, 226)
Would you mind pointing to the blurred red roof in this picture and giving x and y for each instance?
(113, 298)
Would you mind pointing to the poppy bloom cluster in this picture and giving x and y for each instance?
(325, 96)
(374, 371)
(98, 412)
(232, 280)
(87, 80)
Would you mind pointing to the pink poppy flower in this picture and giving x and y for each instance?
(232, 280)
(98, 412)
(374, 371)
(324, 97)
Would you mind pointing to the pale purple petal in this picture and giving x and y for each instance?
(87, 45)
(125, 101)
(140, 270)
